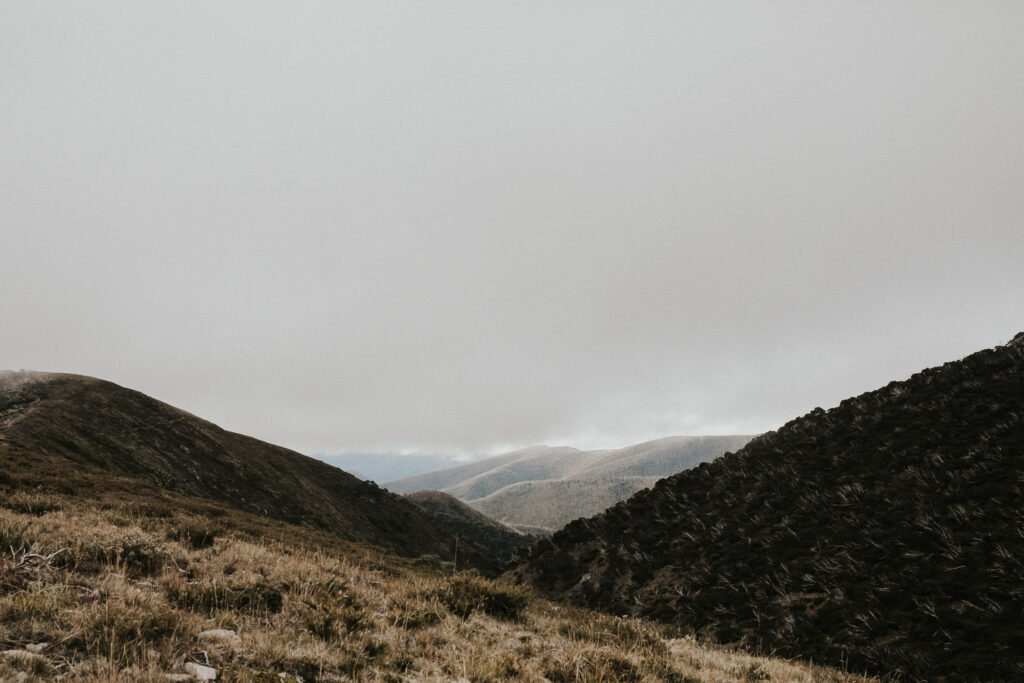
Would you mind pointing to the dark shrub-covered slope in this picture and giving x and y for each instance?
(886, 534)
(471, 527)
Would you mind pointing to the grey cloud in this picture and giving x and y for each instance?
(459, 226)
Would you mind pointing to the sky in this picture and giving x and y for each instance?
(470, 226)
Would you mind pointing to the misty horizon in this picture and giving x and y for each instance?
(469, 228)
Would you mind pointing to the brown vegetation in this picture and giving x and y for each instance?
(80, 425)
(114, 586)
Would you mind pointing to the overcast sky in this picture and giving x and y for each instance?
(460, 226)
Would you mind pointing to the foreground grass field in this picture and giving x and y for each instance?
(132, 584)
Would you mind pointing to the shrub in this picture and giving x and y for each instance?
(330, 621)
(22, 566)
(13, 535)
(194, 533)
(463, 594)
(433, 562)
(131, 550)
(623, 634)
(326, 608)
(245, 593)
(597, 664)
(417, 613)
(29, 503)
(18, 667)
(126, 627)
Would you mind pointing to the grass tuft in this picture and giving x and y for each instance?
(465, 594)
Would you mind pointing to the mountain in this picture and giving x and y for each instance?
(552, 504)
(84, 424)
(661, 457)
(109, 578)
(459, 520)
(387, 466)
(481, 477)
(544, 487)
(883, 535)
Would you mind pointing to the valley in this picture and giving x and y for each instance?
(541, 489)
(880, 536)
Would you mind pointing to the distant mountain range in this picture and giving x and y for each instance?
(540, 489)
(885, 534)
(74, 427)
(380, 467)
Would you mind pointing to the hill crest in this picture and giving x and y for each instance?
(88, 422)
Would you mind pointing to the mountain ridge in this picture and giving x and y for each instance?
(99, 424)
(882, 534)
(544, 487)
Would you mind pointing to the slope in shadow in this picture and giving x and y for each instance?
(884, 534)
(470, 526)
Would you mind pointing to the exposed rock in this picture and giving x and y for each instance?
(223, 636)
(200, 672)
(24, 655)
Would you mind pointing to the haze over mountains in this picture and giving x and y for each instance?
(379, 467)
(883, 534)
(540, 489)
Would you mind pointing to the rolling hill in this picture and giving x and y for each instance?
(542, 488)
(482, 477)
(881, 535)
(552, 504)
(470, 526)
(379, 467)
(79, 424)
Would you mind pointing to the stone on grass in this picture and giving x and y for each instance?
(223, 635)
(200, 672)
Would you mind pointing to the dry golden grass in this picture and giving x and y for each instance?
(91, 591)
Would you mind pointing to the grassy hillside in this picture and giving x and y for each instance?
(77, 425)
(550, 505)
(661, 457)
(884, 534)
(110, 579)
(481, 477)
